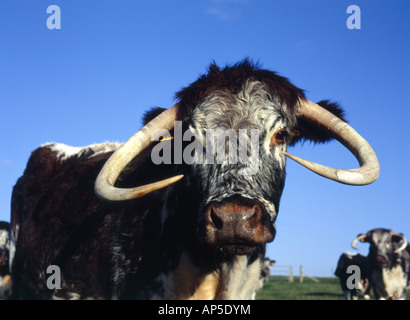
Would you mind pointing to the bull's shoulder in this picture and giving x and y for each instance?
(63, 152)
(51, 157)
(54, 166)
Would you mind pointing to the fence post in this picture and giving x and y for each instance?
(291, 274)
(301, 274)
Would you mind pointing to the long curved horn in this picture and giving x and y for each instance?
(359, 238)
(404, 245)
(104, 185)
(369, 165)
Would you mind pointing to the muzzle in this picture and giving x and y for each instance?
(236, 226)
(381, 260)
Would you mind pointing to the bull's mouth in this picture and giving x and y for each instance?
(236, 249)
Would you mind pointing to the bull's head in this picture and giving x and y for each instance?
(384, 245)
(239, 200)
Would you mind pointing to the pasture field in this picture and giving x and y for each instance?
(279, 288)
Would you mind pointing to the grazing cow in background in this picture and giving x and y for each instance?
(388, 262)
(267, 264)
(5, 279)
(351, 259)
(192, 229)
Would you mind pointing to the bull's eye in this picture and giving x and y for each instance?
(279, 137)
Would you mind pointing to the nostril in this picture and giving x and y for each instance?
(217, 221)
(381, 260)
(255, 215)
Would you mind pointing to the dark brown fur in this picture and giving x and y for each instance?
(118, 250)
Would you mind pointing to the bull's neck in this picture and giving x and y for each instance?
(235, 279)
(200, 271)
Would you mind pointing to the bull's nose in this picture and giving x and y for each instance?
(235, 223)
(381, 260)
(228, 216)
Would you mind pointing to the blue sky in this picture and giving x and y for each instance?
(91, 81)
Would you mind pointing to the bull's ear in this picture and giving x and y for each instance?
(309, 131)
(364, 239)
(151, 114)
(397, 238)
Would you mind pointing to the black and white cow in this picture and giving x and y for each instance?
(267, 264)
(346, 260)
(197, 225)
(5, 279)
(388, 262)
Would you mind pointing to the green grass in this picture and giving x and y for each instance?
(279, 288)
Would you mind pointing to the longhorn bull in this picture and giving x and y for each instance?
(181, 230)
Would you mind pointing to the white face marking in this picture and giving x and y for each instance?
(278, 149)
(252, 107)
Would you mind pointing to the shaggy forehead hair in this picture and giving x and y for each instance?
(251, 108)
(231, 79)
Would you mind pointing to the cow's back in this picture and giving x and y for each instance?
(58, 221)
